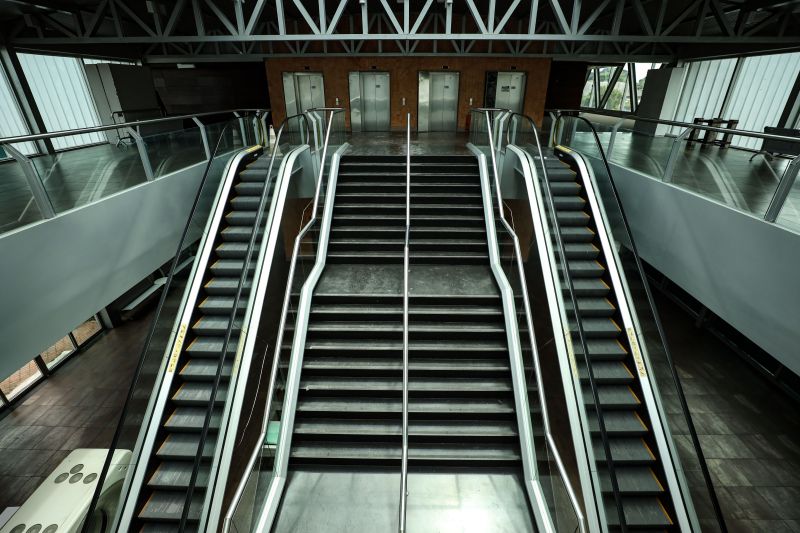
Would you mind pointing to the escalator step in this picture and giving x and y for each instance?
(182, 446)
(597, 327)
(569, 203)
(587, 287)
(167, 506)
(174, 475)
(611, 397)
(199, 393)
(204, 370)
(452, 407)
(230, 267)
(640, 512)
(577, 234)
(585, 269)
(241, 234)
(210, 346)
(591, 307)
(580, 250)
(226, 286)
(191, 419)
(221, 304)
(625, 451)
(237, 250)
(618, 423)
(571, 218)
(606, 372)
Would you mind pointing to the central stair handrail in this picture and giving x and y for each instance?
(501, 116)
(404, 459)
(281, 462)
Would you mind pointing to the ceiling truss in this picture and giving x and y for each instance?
(243, 30)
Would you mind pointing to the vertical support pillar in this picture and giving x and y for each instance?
(40, 196)
(204, 135)
(9, 63)
(148, 169)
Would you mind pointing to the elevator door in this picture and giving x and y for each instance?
(438, 101)
(510, 91)
(369, 101)
(303, 91)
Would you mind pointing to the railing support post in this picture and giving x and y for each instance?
(783, 190)
(613, 137)
(204, 135)
(669, 170)
(148, 168)
(40, 196)
(242, 128)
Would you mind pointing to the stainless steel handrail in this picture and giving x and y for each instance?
(278, 480)
(404, 460)
(745, 133)
(135, 123)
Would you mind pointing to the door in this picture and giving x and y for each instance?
(510, 91)
(303, 91)
(369, 101)
(444, 101)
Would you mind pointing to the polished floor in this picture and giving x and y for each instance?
(394, 143)
(730, 176)
(77, 407)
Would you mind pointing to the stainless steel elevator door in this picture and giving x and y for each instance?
(375, 101)
(302, 91)
(510, 91)
(443, 101)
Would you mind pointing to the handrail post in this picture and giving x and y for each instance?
(783, 190)
(148, 168)
(242, 127)
(613, 137)
(669, 170)
(40, 196)
(204, 135)
(404, 460)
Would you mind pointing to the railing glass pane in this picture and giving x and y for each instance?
(789, 216)
(173, 150)
(17, 205)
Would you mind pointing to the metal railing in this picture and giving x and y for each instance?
(35, 194)
(781, 191)
(494, 119)
(639, 269)
(232, 320)
(289, 386)
(404, 458)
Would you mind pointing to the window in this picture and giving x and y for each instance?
(21, 380)
(13, 122)
(62, 95)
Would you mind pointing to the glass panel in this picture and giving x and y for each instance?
(229, 132)
(58, 352)
(87, 330)
(17, 206)
(173, 150)
(789, 216)
(21, 380)
(76, 177)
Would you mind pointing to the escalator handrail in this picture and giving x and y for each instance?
(151, 331)
(232, 320)
(659, 326)
(276, 483)
(582, 336)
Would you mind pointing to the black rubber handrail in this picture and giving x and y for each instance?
(151, 332)
(673, 371)
(231, 325)
(612, 469)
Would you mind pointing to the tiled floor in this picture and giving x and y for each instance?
(77, 407)
(748, 428)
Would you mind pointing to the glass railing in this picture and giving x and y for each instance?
(701, 159)
(127, 442)
(253, 490)
(517, 248)
(41, 186)
(668, 391)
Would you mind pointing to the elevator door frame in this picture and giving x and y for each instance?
(291, 97)
(424, 99)
(356, 89)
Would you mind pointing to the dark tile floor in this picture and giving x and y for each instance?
(77, 407)
(748, 428)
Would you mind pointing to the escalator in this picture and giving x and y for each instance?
(348, 420)
(169, 469)
(616, 366)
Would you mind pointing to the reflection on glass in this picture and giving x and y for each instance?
(58, 351)
(86, 331)
(174, 150)
(76, 177)
(789, 216)
(21, 380)
(17, 206)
